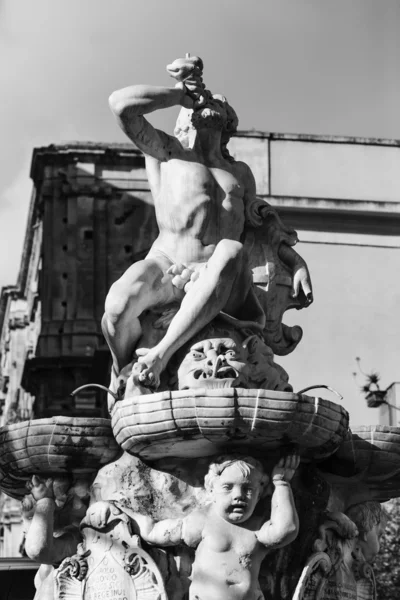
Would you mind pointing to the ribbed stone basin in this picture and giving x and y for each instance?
(373, 454)
(53, 446)
(200, 422)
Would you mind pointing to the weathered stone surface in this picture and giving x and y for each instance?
(172, 488)
(367, 464)
(117, 567)
(199, 422)
(53, 446)
(173, 496)
(340, 565)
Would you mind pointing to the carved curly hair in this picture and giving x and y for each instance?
(366, 515)
(246, 464)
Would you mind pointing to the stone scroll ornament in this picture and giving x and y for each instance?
(116, 566)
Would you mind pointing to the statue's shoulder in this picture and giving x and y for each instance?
(239, 165)
(244, 173)
(157, 145)
(200, 514)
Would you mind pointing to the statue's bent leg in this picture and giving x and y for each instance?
(224, 282)
(139, 288)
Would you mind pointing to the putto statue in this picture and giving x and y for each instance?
(216, 238)
(231, 539)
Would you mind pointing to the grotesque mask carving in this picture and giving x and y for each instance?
(224, 358)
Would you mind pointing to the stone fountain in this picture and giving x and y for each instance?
(213, 479)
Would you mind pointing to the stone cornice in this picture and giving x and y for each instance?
(60, 154)
(328, 139)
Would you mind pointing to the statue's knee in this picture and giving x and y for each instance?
(230, 248)
(104, 324)
(125, 301)
(117, 302)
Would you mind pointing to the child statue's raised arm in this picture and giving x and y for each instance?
(283, 526)
(172, 532)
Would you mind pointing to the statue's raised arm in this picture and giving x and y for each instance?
(130, 104)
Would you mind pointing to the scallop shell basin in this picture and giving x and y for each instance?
(372, 454)
(201, 422)
(53, 446)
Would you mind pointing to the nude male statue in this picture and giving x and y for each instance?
(200, 197)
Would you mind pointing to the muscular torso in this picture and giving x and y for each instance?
(197, 205)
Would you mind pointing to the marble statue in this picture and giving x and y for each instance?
(212, 479)
(230, 540)
(207, 213)
(347, 546)
(219, 356)
(222, 357)
(370, 519)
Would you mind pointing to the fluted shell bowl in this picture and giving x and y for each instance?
(53, 446)
(371, 453)
(201, 422)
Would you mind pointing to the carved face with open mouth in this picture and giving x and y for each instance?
(215, 363)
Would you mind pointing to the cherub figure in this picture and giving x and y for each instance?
(204, 202)
(351, 541)
(230, 537)
(370, 519)
(363, 525)
(51, 529)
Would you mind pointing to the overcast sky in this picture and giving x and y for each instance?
(298, 66)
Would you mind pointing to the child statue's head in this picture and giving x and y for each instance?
(371, 520)
(235, 484)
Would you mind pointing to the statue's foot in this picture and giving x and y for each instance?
(151, 367)
(134, 387)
